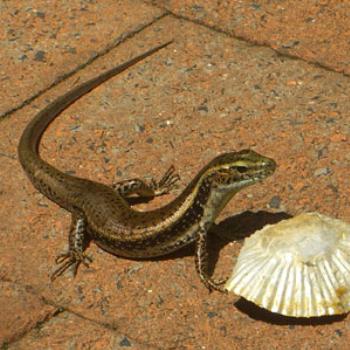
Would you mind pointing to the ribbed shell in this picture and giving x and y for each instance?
(298, 267)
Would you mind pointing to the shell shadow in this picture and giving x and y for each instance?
(260, 314)
(231, 229)
(243, 225)
(238, 227)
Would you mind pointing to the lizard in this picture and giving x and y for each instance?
(104, 214)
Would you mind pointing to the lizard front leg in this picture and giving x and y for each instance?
(127, 188)
(78, 241)
(201, 262)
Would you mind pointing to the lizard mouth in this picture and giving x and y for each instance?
(265, 172)
(268, 169)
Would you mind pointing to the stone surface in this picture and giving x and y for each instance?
(316, 31)
(68, 331)
(22, 309)
(205, 94)
(43, 44)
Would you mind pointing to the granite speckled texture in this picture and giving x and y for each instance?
(315, 31)
(205, 94)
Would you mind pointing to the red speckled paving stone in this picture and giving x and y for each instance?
(41, 41)
(315, 31)
(205, 94)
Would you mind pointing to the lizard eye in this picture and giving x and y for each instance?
(242, 169)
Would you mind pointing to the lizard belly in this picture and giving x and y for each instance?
(150, 247)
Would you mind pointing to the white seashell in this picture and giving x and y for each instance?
(298, 267)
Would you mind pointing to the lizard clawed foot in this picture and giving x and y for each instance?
(166, 183)
(66, 260)
(215, 284)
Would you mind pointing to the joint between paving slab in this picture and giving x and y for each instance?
(60, 309)
(113, 328)
(38, 324)
(115, 43)
(128, 35)
(281, 53)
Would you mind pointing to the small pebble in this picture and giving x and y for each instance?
(125, 342)
(275, 202)
(39, 56)
(322, 171)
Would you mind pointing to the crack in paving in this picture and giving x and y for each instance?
(106, 325)
(39, 324)
(128, 35)
(115, 43)
(281, 52)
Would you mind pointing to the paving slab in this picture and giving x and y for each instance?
(41, 42)
(315, 31)
(205, 94)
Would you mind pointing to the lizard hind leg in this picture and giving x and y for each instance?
(78, 241)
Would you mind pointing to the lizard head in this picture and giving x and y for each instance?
(235, 170)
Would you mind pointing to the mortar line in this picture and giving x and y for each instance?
(58, 310)
(106, 325)
(115, 43)
(255, 43)
(128, 35)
